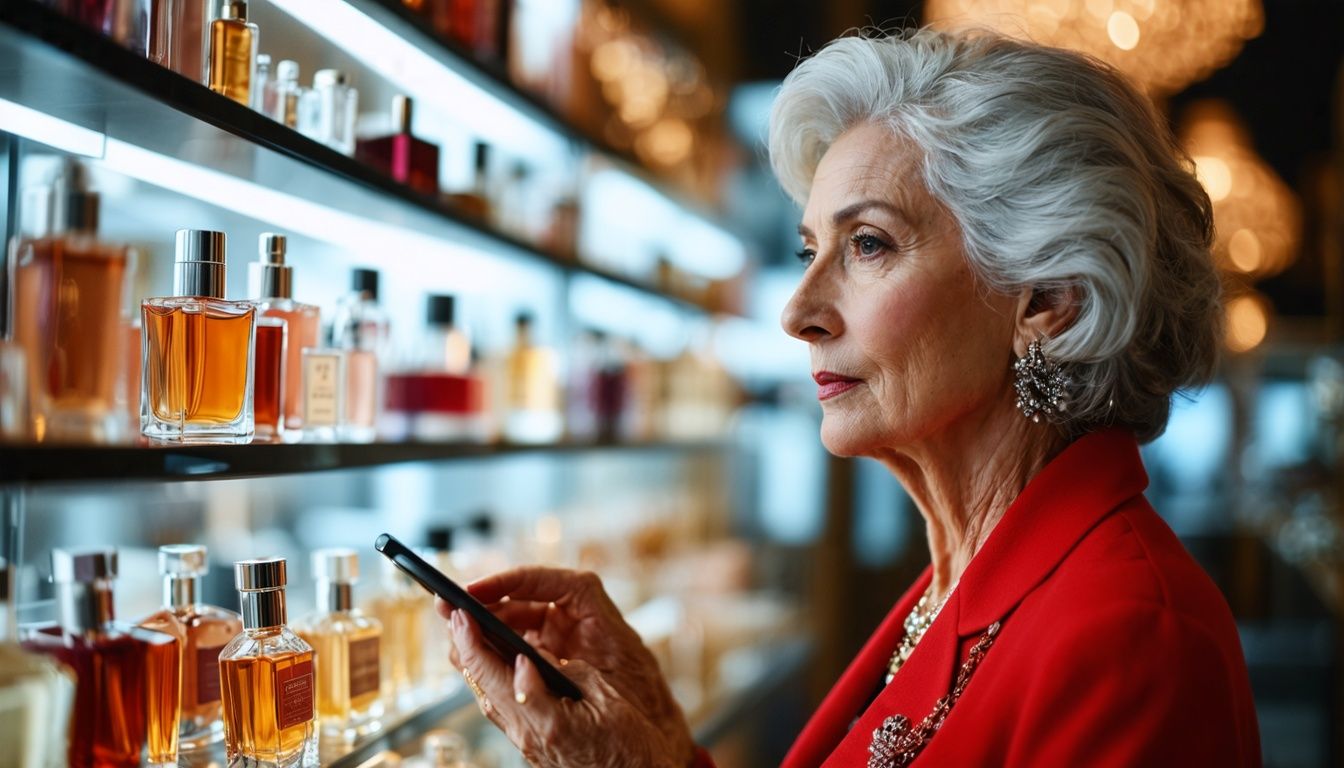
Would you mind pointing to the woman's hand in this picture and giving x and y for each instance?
(627, 717)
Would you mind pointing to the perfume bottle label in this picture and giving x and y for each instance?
(321, 396)
(364, 677)
(294, 695)
(207, 674)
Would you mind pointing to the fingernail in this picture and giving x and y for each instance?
(518, 660)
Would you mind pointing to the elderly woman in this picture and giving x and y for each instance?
(1006, 279)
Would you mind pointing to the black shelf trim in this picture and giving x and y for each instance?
(22, 464)
(37, 21)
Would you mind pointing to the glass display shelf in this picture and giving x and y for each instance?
(50, 463)
(71, 88)
(779, 664)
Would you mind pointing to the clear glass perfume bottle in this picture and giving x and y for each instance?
(266, 676)
(443, 749)
(203, 630)
(233, 52)
(360, 328)
(198, 351)
(271, 285)
(400, 608)
(261, 82)
(348, 643)
(283, 94)
(533, 390)
(401, 155)
(337, 108)
(68, 288)
(133, 671)
(36, 693)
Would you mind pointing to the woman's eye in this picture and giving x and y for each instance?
(806, 256)
(868, 245)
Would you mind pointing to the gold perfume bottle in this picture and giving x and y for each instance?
(128, 670)
(233, 52)
(198, 351)
(266, 676)
(401, 609)
(36, 693)
(348, 644)
(533, 389)
(203, 630)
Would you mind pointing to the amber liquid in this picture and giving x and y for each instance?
(67, 299)
(250, 710)
(197, 362)
(163, 698)
(204, 631)
(344, 692)
(403, 657)
(232, 50)
(267, 391)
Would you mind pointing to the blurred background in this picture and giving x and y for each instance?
(599, 175)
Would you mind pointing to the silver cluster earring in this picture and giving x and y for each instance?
(1042, 388)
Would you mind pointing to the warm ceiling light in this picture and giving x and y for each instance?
(1247, 322)
(1257, 219)
(1163, 44)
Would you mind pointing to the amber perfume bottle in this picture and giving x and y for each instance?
(131, 671)
(533, 389)
(203, 630)
(401, 608)
(402, 156)
(36, 693)
(348, 643)
(233, 52)
(361, 330)
(266, 676)
(271, 285)
(197, 351)
(67, 289)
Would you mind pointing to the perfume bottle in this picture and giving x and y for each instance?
(266, 676)
(261, 83)
(271, 284)
(323, 396)
(476, 200)
(400, 608)
(36, 693)
(532, 400)
(197, 382)
(442, 749)
(361, 329)
(132, 671)
(337, 106)
(268, 382)
(67, 289)
(440, 398)
(349, 678)
(203, 630)
(401, 155)
(233, 52)
(283, 94)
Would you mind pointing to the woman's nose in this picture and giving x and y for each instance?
(810, 314)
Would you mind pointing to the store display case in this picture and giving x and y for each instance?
(520, 370)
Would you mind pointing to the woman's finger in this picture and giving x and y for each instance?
(534, 583)
(488, 676)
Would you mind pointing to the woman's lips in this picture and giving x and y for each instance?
(832, 384)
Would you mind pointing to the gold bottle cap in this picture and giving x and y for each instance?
(403, 110)
(183, 560)
(262, 575)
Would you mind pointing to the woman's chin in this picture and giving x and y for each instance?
(843, 440)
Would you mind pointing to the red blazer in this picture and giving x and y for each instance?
(1115, 648)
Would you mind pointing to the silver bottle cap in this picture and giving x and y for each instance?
(184, 561)
(262, 575)
(83, 566)
(325, 78)
(403, 109)
(336, 565)
(199, 266)
(269, 277)
(233, 9)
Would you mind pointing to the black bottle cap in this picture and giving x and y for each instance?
(365, 281)
(523, 319)
(440, 309)
(482, 156)
(482, 523)
(440, 538)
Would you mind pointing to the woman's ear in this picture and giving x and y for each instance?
(1043, 313)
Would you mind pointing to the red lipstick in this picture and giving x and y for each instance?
(832, 384)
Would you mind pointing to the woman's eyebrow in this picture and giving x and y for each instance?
(851, 211)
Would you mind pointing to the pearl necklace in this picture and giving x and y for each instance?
(918, 621)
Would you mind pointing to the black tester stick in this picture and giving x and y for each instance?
(506, 642)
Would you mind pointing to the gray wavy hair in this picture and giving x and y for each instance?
(1061, 177)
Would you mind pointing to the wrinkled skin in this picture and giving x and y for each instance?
(627, 717)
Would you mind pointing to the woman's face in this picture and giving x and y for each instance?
(905, 343)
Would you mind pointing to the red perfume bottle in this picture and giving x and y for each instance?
(405, 158)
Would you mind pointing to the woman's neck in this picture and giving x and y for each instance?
(964, 479)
